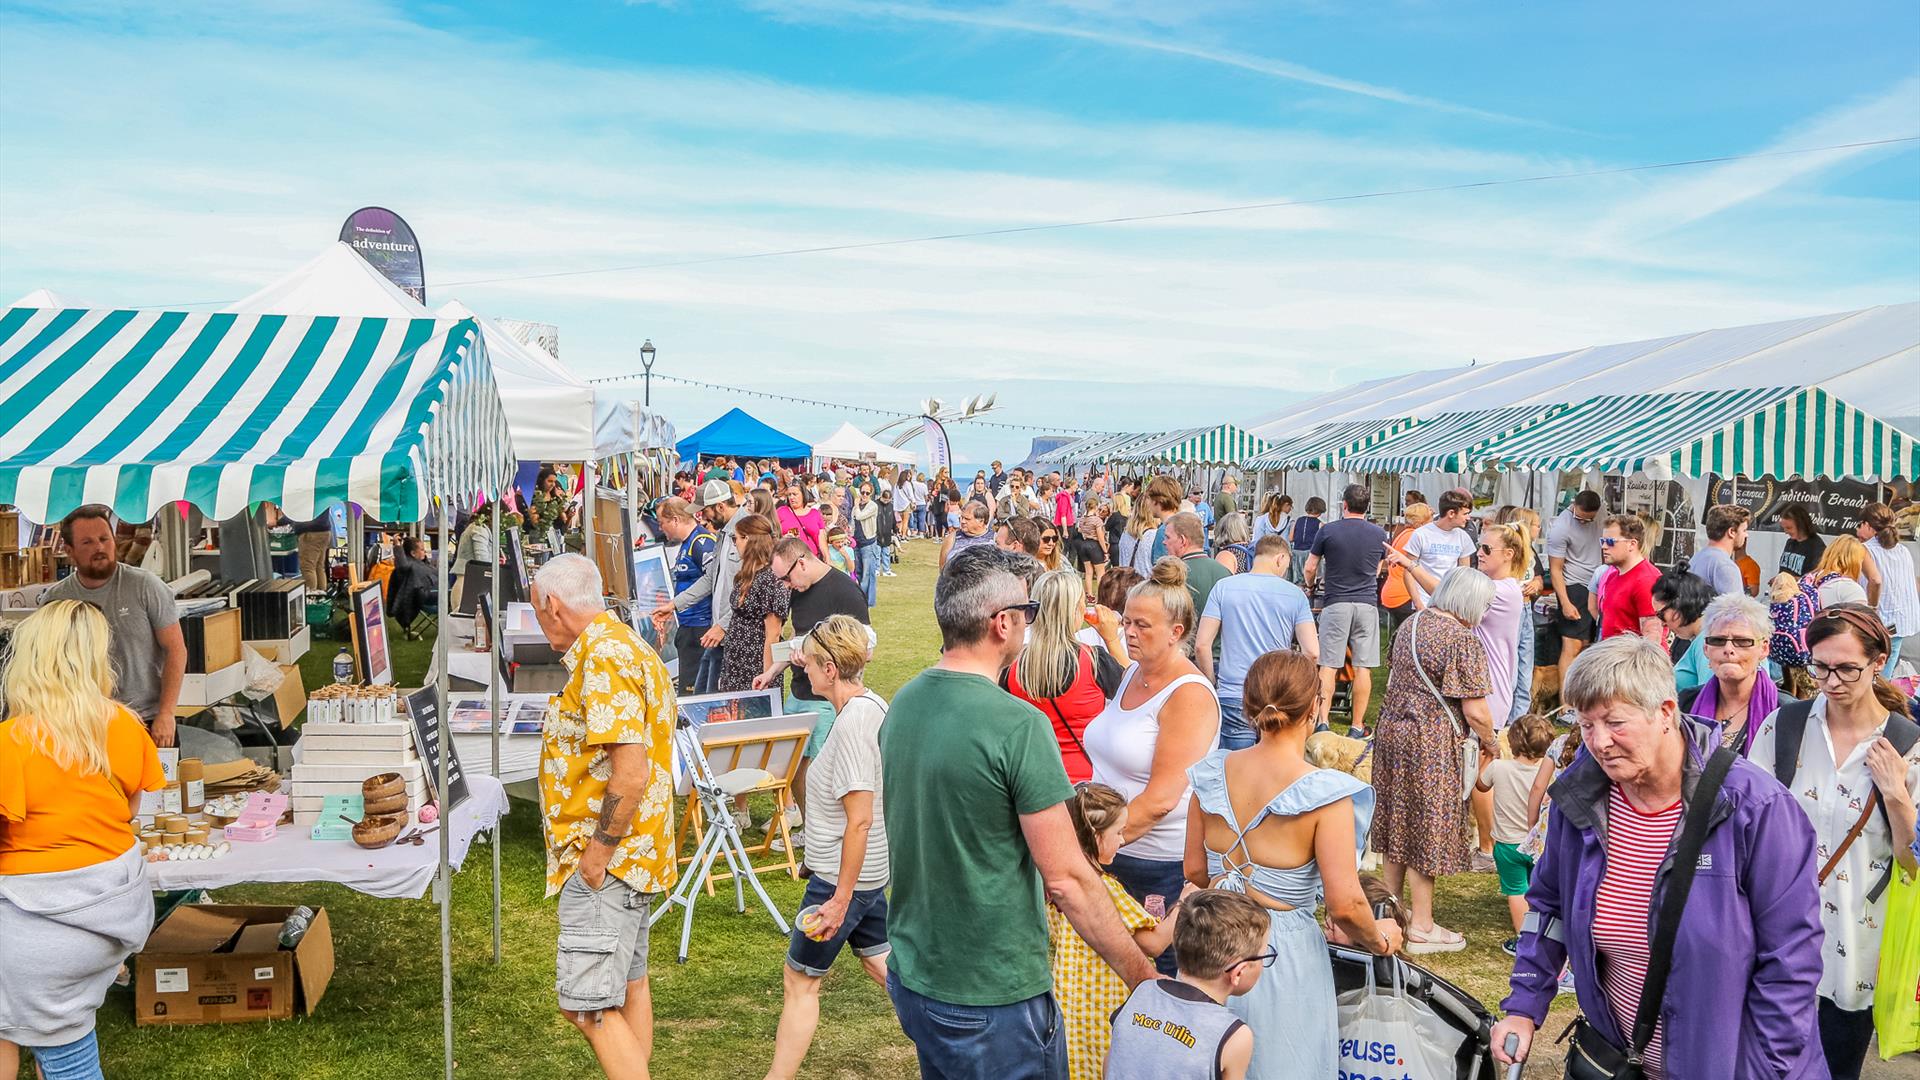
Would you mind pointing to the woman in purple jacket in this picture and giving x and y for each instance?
(1740, 1000)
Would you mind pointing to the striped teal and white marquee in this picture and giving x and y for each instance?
(138, 409)
(1222, 444)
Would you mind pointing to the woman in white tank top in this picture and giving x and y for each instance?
(1163, 720)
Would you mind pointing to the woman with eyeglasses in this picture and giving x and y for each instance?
(1163, 718)
(1266, 824)
(1849, 757)
(1736, 694)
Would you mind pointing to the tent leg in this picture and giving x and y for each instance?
(493, 680)
(445, 875)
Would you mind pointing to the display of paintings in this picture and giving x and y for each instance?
(470, 714)
(520, 714)
(652, 576)
(528, 717)
(720, 708)
(370, 635)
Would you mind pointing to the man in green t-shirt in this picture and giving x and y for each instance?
(1187, 541)
(1226, 500)
(980, 845)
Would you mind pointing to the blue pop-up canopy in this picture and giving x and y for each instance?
(739, 435)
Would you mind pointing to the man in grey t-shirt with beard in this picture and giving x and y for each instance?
(149, 653)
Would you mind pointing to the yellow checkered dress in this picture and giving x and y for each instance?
(1086, 988)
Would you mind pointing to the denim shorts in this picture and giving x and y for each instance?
(603, 943)
(1234, 732)
(1025, 1040)
(864, 928)
(822, 710)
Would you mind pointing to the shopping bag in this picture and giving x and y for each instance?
(1896, 996)
(1386, 1035)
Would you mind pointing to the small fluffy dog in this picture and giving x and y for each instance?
(1332, 750)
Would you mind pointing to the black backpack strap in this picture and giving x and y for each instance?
(1902, 733)
(1790, 726)
(1686, 859)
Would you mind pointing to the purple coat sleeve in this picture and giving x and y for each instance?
(1785, 904)
(1537, 963)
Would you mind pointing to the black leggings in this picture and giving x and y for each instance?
(1844, 1034)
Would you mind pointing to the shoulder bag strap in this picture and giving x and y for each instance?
(1413, 646)
(1686, 859)
(1873, 802)
(1788, 731)
(1902, 733)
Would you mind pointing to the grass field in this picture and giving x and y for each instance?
(716, 1015)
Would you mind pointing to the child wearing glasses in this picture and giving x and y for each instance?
(1086, 988)
(1181, 1029)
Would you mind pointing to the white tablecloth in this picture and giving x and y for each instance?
(403, 870)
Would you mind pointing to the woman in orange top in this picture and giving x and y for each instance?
(74, 899)
(1394, 596)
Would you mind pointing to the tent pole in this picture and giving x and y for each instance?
(588, 504)
(493, 680)
(441, 639)
(356, 542)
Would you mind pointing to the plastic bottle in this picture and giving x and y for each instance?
(343, 666)
(295, 927)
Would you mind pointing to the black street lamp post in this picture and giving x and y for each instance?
(646, 366)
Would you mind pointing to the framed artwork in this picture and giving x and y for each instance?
(514, 588)
(705, 709)
(369, 625)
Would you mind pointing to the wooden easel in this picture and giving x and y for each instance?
(753, 751)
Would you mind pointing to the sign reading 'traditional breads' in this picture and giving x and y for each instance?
(1834, 505)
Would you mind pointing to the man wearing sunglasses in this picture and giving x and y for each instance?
(985, 828)
(1573, 557)
(1626, 597)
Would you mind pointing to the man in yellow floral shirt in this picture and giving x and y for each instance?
(606, 802)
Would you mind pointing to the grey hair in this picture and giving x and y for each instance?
(573, 580)
(1465, 594)
(975, 585)
(1624, 668)
(1232, 529)
(1738, 607)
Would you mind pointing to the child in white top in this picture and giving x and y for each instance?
(1511, 780)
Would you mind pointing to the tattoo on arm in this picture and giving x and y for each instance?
(609, 813)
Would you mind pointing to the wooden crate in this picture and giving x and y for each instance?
(213, 641)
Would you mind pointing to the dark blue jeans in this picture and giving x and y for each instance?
(1021, 1041)
(708, 680)
(1150, 877)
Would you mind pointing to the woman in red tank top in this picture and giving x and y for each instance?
(1060, 672)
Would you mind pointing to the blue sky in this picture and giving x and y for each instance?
(162, 154)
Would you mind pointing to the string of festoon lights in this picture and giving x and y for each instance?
(893, 414)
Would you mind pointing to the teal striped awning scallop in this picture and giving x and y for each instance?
(1327, 446)
(1214, 445)
(137, 409)
(1780, 432)
(1447, 442)
(1108, 448)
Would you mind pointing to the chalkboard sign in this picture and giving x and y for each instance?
(1834, 505)
(515, 587)
(423, 707)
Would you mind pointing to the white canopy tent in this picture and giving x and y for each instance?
(552, 413)
(335, 282)
(850, 443)
(42, 298)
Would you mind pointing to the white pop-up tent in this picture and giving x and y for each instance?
(851, 444)
(552, 409)
(335, 282)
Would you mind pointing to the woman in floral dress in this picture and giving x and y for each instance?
(760, 605)
(1420, 823)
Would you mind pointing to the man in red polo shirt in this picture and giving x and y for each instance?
(1626, 602)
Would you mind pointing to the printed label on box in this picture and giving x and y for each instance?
(264, 974)
(170, 980)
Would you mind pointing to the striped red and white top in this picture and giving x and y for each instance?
(1622, 909)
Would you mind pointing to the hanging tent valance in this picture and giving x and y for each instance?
(1061, 454)
(1111, 448)
(1780, 432)
(1221, 444)
(137, 409)
(1329, 445)
(1447, 442)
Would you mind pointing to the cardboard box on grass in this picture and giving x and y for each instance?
(223, 964)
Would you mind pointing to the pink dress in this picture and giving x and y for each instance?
(807, 526)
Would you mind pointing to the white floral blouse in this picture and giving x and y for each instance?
(1833, 797)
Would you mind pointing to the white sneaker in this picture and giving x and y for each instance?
(780, 845)
(793, 817)
(742, 820)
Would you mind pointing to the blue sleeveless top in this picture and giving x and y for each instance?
(1298, 887)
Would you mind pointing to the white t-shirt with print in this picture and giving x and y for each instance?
(1437, 549)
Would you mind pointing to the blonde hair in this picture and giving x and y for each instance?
(840, 640)
(1846, 556)
(1418, 513)
(59, 685)
(1518, 542)
(1050, 661)
(1168, 585)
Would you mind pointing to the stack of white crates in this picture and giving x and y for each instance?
(335, 759)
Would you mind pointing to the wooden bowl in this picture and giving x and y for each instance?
(378, 832)
(396, 804)
(384, 786)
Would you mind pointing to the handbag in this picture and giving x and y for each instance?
(1592, 1056)
(1469, 745)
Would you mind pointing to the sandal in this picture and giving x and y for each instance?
(1438, 940)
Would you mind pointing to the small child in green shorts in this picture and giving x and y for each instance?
(1511, 781)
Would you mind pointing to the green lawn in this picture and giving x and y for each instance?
(716, 1015)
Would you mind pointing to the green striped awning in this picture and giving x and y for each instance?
(1222, 444)
(137, 409)
(1328, 446)
(1780, 432)
(1062, 453)
(1107, 448)
(1447, 442)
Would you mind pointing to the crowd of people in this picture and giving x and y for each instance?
(1119, 807)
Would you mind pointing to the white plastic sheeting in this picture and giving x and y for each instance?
(850, 443)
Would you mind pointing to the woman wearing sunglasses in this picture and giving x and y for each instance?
(1850, 759)
(1736, 694)
(1267, 824)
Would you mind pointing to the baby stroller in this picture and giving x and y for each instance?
(1459, 1010)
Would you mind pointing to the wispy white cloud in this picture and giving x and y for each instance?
(1013, 20)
